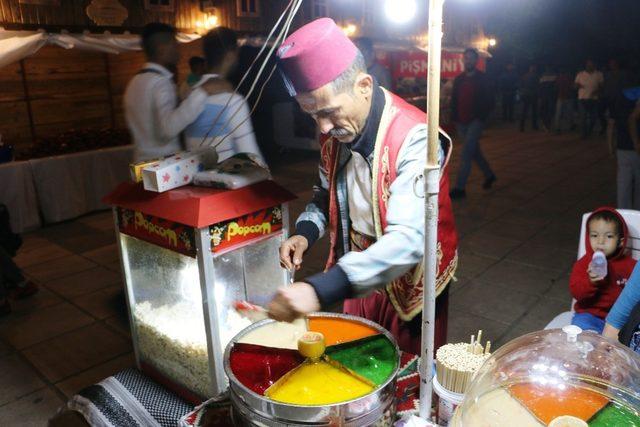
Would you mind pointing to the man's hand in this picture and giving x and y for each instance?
(216, 85)
(291, 251)
(293, 301)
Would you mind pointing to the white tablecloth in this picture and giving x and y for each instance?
(71, 185)
(18, 193)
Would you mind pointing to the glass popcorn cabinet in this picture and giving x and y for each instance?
(187, 255)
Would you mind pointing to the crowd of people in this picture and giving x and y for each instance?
(376, 243)
(592, 100)
(556, 100)
(356, 116)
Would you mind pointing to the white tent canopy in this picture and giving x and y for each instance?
(17, 45)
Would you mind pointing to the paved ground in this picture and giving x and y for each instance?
(518, 242)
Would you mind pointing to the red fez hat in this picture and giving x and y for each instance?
(314, 55)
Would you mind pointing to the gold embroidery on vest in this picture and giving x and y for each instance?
(325, 152)
(385, 176)
(418, 273)
(388, 113)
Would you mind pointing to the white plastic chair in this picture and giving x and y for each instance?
(632, 218)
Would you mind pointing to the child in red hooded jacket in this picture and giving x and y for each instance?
(606, 232)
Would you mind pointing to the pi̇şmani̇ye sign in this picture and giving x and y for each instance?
(161, 232)
(414, 64)
(229, 234)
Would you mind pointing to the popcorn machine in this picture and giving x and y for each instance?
(187, 255)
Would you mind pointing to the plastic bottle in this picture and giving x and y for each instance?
(599, 265)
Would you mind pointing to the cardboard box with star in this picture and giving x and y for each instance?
(172, 172)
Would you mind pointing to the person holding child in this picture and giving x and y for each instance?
(154, 117)
(595, 295)
(226, 115)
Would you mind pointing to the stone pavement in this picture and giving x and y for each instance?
(518, 242)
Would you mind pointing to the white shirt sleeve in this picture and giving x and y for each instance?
(244, 139)
(172, 120)
(402, 244)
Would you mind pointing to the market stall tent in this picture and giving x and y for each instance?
(60, 93)
(17, 45)
(51, 83)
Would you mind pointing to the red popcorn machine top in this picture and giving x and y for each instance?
(187, 255)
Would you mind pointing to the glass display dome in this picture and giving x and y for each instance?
(558, 377)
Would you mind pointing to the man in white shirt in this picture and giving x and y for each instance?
(151, 108)
(588, 83)
(225, 123)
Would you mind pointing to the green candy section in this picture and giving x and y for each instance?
(373, 358)
(615, 415)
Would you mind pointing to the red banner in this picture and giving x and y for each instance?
(414, 64)
(228, 234)
(167, 234)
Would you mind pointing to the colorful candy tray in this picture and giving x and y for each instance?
(535, 405)
(358, 360)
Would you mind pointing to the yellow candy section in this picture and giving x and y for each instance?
(317, 383)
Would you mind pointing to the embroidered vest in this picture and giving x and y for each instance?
(398, 118)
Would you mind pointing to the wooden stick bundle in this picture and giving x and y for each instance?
(456, 364)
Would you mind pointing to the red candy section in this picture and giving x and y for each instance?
(258, 367)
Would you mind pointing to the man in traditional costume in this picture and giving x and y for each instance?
(369, 196)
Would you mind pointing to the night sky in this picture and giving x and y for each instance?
(561, 32)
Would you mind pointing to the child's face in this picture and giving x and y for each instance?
(603, 236)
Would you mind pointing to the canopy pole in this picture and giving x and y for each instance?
(431, 187)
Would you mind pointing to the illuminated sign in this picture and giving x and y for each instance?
(414, 64)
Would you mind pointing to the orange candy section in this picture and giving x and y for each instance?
(547, 403)
(338, 331)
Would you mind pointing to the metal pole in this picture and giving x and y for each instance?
(431, 185)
